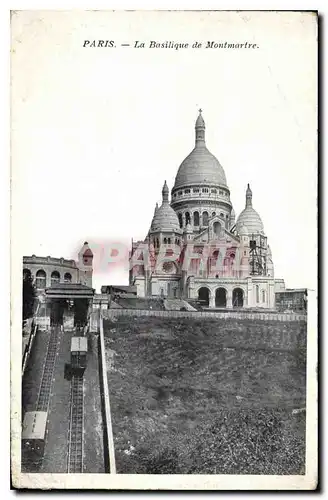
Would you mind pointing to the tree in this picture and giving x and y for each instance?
(29, 296)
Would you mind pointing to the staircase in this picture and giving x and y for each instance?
(177, 305)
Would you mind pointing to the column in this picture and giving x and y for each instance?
(212, 299)
(229, 299)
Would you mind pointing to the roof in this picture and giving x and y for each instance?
(34, 425)
(79, 344)
(119, 288)
(165, 218)
(250, 219)
(70, 290)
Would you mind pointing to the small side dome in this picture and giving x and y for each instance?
(249, 217)
(165, 219)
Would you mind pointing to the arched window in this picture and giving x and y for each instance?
(205, 218)
(55, 277)
(157, 242)
(165, 241)
(237, 297)
(196, 218)
(187, 218)
(263, 295)
(213, 214)
(26, 274)
(41, 279)
(67, 278)
(169, 241)
(180, 220)
(257, 293)
(217, 228)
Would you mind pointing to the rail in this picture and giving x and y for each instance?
(108, 421)
(75, 438)
(48, 370)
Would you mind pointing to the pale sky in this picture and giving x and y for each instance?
(96, 131)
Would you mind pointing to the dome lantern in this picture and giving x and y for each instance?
(165, 193)
(249, 196)
(200, 130)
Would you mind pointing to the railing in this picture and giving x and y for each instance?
(226, 315)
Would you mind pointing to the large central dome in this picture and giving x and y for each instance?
(200, 166)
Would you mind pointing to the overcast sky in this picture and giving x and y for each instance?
(96, 131)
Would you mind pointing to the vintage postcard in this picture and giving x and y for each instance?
(164, 250)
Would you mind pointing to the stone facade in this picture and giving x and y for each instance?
(46, 271)
(196, 249)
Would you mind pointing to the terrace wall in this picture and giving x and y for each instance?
(227, 315)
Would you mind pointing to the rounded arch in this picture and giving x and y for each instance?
(55, 277)
(26, 273)
(204, 296)
(188, 218)
(180, 220)
(221, 297)
(217, 228)
(238, 297)
(67, 278)
(205, 218)
(41, 279)
(196, 218)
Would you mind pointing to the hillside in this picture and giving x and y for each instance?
(210, 396)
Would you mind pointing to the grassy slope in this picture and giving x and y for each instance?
(207, 396)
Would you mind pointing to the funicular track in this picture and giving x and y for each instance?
(48, 370)
(75, 436)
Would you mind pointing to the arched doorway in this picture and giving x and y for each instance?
(40, 279)
(204, 296)
(55, 277)
(237, 297)
(67, 278)
(221, 297)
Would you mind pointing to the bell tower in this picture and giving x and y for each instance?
(85, 261)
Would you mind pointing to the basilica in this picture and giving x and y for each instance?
(196, 249)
